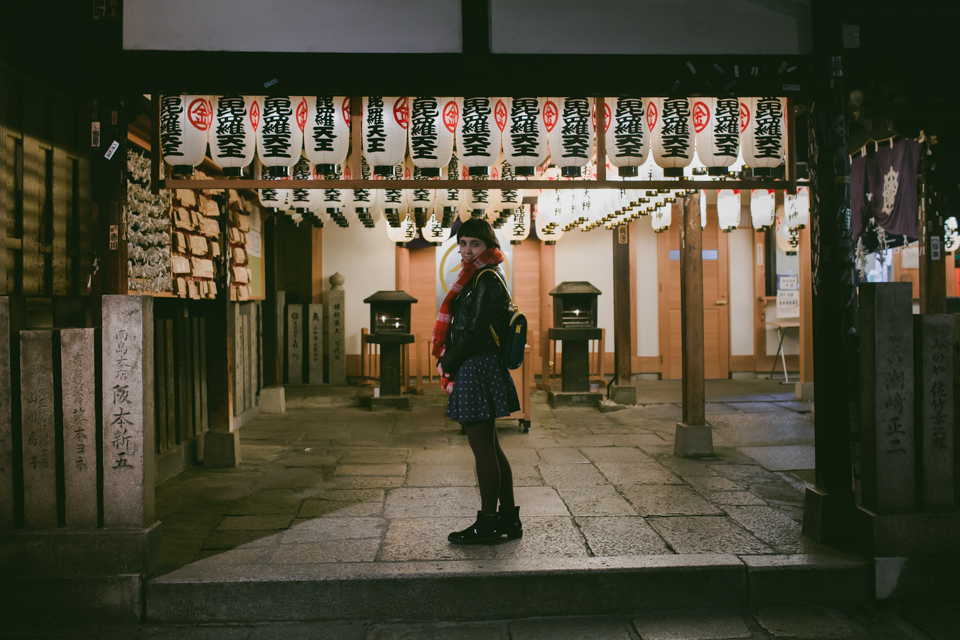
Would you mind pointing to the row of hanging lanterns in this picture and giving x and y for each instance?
(484, 131)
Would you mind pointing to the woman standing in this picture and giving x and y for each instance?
(473, 316)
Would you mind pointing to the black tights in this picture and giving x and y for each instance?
(493, 470)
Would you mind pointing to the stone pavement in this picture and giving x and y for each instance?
(328, 482)
(773, 623)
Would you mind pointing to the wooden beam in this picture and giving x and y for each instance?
(691, 312)
(622, 333)
(272, 354)
(356, 183)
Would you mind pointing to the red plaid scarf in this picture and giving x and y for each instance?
(488, 257)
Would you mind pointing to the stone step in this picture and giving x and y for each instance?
(500, 589)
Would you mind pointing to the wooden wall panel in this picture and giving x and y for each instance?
(423, 287)
(526, 288)
(62, 198)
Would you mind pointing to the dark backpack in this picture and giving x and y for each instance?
(514, 343)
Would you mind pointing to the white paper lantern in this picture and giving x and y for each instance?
(763, 208)
(797, 208)
(549, 231)
(518, 225)
(403, 232)
(326, 137)
(660, 217)
(272, 199)
(571, 125)
(479, 133)
(670, 123)
(395, 205)
(728, 209)
(280, 136)
(788, 240)
(384, 132)
(184, 125)
(433, 231)
(525, 135)
(433, 124)
(703, 209)
(764, 125)
(951, 235)
(300, 198)
(627, 137)
(716, 122)
(365, 201)
(233, 135)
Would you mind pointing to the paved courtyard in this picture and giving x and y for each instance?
(330, 482)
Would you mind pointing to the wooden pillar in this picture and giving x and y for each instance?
(693, 436)
(403, 268)
(109, 195)
(623, 391)
(950, 286)
(804, 388)
(221, 445)
(316, 265)
(547, 283)
(932, 251)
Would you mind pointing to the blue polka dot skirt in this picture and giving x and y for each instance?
(482, 390)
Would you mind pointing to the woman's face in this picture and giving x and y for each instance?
(471, 248)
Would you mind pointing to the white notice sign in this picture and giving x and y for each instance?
(789, 283)
(788, 304)
(910, 257)
(253, 244)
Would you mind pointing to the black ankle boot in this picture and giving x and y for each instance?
(483, 531)
(508, 523)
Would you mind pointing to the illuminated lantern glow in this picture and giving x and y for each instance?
(479, 133)
(797, 208)
(716, 122)
(395, 205)
(280, 134)
(625, 128)
(326, 137)
(433, 232)
(509, 199)
(525, 135)
(420, 199)
(670, 122)
(232, 134)
(433, 124)
(764, 125)
(571, 128)
(184, 128)
(728, 209)
(763, 208)
(384, 132)
(273, 199)
(336, 203)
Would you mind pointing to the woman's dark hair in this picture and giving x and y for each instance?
(480, 229)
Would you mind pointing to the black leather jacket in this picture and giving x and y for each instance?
(482, 303)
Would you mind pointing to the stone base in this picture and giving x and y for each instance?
(385, 403)
(61, 553)
(56, 604)
(623, 394)
(803, 391)
(272, 400)
(221, 450)
(237, 422)
(693, 440)
(908, 535)
(573, 399)
(926, 580)
(826, 517)
(175, 461)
